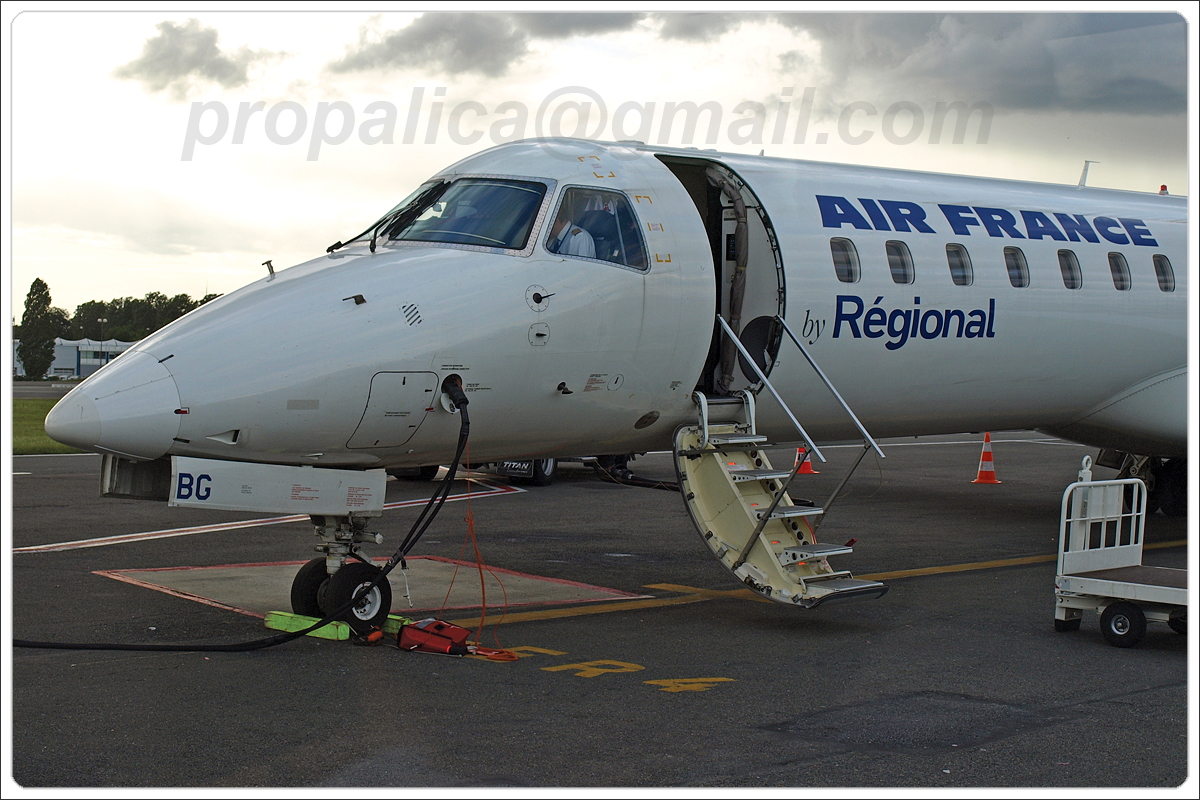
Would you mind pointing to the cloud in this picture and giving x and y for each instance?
(486, 44)
(483, 44)
(182, 54)
(143, 220)
(1117, 63)
(700, 27)
(562, 26)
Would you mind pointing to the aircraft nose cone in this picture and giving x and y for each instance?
(128, 409)
(74, 421)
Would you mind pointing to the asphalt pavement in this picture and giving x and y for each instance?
(662, 671)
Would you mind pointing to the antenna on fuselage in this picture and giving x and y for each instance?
(1083, 175)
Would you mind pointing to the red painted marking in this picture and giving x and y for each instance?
(126, 576)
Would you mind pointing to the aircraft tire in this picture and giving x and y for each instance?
(372, 610)
(1172, 488)
(1178, 624)
(1067, 625)
(1123, 624)
(543, 472)
(306, 588)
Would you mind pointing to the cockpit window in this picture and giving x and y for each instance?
(485, 212)
(593, 223)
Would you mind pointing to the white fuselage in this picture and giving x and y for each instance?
(562, 355)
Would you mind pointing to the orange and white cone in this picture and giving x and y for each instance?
(987, 470)
(805, 463)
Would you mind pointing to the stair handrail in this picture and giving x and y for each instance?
(828, 385)
(741, 348)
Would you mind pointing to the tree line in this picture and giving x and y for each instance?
(127, 319)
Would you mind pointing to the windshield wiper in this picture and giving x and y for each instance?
(418, 202)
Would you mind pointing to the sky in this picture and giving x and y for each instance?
(175, 151)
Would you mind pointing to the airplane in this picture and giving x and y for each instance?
(593, 298)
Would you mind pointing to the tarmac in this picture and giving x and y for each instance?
(642, 663)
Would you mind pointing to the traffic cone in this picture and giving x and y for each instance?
(805, 463)
(987, 471)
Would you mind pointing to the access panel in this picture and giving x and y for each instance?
(395, 409)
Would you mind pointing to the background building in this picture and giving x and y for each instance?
(76, 358)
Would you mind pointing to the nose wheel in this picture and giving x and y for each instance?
(306, 588)
(316, 593)
(371, 610)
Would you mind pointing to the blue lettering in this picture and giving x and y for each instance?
(1038, 225)
(898, 332)
(936, 316)
(976, 327)
(203, 492)
(959, 218)
(999, 221)
(962, 320)
(837, 211)
(851, 320)
(1138, 232)
(1077, 226)
(874, 322)
(1105, 225)
(903, 213)
(902, 325)
(877, 218)
(184, 490)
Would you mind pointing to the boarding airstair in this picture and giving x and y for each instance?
(740, 503)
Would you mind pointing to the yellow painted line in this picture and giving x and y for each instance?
(692, 594)
(559, 613)
(710, 594)
(979, 565)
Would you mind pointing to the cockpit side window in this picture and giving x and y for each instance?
(593, 223)
(485, 212)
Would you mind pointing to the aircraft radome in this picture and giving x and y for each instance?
(573, 290)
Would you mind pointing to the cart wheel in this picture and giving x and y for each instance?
(1123, 624)
(1178, 623)
(1066, 625)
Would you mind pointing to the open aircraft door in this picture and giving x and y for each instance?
(747, 265)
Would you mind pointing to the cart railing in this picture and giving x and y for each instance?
(1101, 525)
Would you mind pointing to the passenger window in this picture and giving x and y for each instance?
(845, 260)
(1120, 272)
(1068, 265)
(960, 265)
(1018, 270)
(1166, 275)
(900, 262)
(593, 223)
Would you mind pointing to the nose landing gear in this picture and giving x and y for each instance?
(325, 584)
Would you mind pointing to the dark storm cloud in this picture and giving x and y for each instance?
(184, 53)
(486, 44)
(1124, 63)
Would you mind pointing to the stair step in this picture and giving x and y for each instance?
(725, 400)
(804, 552)
(840, 588)
(743, 475)
(787, 512)
(735, 439)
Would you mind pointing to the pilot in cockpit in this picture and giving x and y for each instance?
(567, 237)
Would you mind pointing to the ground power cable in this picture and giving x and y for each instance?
(436, 501)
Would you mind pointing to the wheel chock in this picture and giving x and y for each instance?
(337, 631)
(285, 621)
